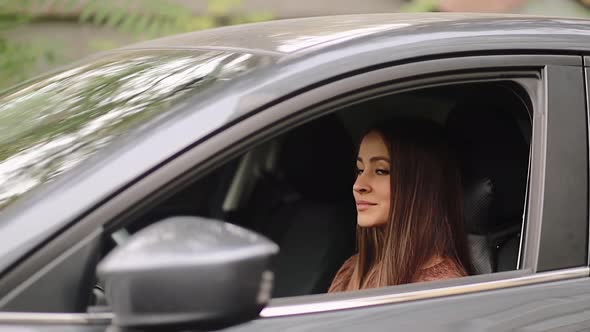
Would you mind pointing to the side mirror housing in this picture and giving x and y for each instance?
(188, 272)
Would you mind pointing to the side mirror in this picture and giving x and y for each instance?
(188, 272)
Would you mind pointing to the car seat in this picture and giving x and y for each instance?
(306, 207)
(493, 152)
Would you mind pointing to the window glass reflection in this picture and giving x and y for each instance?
(50, 125)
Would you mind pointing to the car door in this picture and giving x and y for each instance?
(550, 289)
(550, 284)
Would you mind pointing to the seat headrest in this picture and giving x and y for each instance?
(317, 160)
(493, 155)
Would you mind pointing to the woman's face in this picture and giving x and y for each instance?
(372, 186)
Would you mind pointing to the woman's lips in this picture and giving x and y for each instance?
(362, 205)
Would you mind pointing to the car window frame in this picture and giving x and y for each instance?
(314, 103)
(586, 72)
(563, 237)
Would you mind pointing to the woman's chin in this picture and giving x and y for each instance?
(366, 223)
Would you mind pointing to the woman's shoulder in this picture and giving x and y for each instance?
(442, 268)
(343, 276)
(348, 266)
(351, 261)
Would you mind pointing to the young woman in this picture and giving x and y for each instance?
(409, 209)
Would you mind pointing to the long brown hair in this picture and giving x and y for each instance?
(426, 214)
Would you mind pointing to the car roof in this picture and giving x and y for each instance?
(303, 35)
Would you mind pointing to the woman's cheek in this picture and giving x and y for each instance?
(384, 214)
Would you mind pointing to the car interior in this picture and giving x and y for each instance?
(296, 188)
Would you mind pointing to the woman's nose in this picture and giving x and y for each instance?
(361, 185)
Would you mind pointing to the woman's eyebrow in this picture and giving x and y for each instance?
(377, 158)
(374, 159)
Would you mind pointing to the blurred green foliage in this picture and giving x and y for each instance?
(419, 6)
(141, 19)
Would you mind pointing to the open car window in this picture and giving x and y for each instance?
(296, 188)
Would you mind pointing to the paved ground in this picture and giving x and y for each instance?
(555, 7)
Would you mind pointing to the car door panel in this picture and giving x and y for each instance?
(560, 241)
(556, 306)
(52, 328)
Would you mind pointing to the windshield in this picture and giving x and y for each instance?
(53, 123)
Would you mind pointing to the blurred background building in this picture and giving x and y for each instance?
(37, 35)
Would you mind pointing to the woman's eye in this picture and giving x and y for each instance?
(382, 172)
(359, 171)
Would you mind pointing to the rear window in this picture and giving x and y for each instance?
(51, 124)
